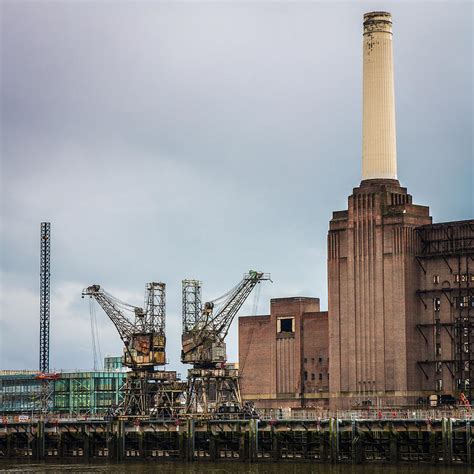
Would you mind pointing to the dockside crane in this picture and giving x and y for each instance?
(213, 385)
(147, 390)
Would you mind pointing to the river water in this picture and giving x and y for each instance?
(225, 468)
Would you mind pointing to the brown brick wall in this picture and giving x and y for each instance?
(256, 355)
(372, 271)
(272, 363)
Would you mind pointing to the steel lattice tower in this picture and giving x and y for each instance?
(44, 296)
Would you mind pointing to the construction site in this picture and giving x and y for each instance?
(384, 375)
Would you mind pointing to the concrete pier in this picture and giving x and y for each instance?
(445, 441)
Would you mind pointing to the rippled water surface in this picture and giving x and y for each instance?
(225, 468)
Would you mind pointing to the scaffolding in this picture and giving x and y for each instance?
(453, 244)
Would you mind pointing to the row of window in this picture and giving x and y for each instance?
(457, 277)
(460, 302)
(463, 277)
(313, 376)
(320, 360)
(465, 366)
(465, 302)
(464, 347)
(20, 389)
(460, 383)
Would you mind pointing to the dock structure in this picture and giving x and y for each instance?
(379, 439)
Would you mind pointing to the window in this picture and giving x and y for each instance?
(439, 385)
(436, 304)
(320, 360)
(435, 279)
(320, 376)
(463, 277)
(438, 348)
(305, 360)
(462, 302)
(438, 367)
(305, 376)
(286, 325)
(313, 376)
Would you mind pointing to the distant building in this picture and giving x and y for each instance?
(71, 393)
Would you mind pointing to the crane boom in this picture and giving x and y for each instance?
(203, 342)
(123, 325)
(144, 339)
(222, 321)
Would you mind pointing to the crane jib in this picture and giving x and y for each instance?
(203, 343)
(144, 337)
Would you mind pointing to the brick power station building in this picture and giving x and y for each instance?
(400, 288)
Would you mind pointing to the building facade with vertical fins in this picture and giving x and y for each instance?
(400, 288)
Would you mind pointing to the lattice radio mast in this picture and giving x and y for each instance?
(44, 296)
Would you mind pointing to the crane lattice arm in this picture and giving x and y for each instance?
(204, 331)
(222, 320)
(155, 304)
(144, 338)
(109, 304)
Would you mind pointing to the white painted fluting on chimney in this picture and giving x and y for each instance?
(379, 143)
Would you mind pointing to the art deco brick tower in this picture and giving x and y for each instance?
(372, 270)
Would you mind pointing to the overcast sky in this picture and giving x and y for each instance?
(200, 140)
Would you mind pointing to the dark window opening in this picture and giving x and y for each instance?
(286, 325)
(306, 376)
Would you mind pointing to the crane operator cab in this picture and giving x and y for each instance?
(145, 350)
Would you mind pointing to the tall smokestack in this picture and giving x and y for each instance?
(379, 145)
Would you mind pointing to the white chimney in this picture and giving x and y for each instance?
(379, 144)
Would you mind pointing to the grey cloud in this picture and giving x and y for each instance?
(173, 140)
